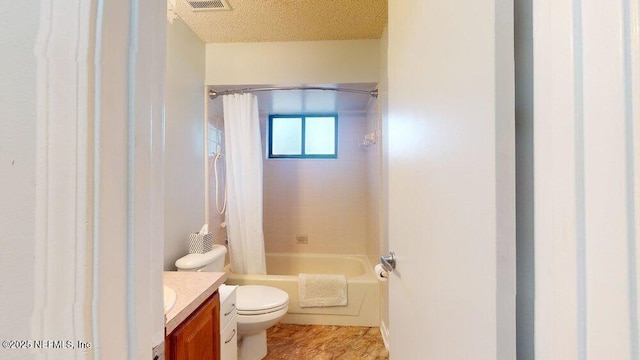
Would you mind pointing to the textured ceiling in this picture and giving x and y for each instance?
(288, 20)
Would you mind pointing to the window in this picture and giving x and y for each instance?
(303, 136)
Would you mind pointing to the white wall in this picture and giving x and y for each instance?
(184, 156)
(295, 62)
(18, 169)
(587, 159)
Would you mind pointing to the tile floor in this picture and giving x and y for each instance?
(319, 342)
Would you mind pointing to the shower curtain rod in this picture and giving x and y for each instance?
(213, 94)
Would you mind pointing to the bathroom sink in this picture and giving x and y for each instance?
(169, 298)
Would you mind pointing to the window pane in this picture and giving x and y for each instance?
(320, 135)
(286, 136)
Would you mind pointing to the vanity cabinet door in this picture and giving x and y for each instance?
(198, 337)
(229, 341)
(228, 323)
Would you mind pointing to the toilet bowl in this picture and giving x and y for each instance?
(258, 307)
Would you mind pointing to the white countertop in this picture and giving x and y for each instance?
(192, 289)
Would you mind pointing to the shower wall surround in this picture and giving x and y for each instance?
(324, 199)
(373, 159)
(215, 142)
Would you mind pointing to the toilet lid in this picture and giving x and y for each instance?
(258, 299)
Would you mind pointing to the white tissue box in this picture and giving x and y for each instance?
(200, 243)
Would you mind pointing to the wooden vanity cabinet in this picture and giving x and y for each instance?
(198, 337)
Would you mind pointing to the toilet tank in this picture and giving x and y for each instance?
(211, 261)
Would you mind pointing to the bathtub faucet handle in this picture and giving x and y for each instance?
(388, 262)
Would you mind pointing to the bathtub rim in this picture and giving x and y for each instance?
(368, 275)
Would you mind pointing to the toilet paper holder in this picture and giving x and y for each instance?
(388, 262)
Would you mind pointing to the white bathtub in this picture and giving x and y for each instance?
(362, 287)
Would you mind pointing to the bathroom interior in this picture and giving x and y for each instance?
(319, 215)
(99, 211)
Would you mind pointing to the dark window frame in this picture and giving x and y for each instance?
(302, 155)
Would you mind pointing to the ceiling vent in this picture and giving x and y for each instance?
(209, 5)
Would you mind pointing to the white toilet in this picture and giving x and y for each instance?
(258, 307)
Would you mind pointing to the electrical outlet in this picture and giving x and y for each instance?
(302, 239)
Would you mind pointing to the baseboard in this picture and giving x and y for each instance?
(385, 334)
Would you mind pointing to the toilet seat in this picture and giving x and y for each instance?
(262, 312)
(259, 299)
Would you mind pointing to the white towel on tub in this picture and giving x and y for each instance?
(319, 290)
